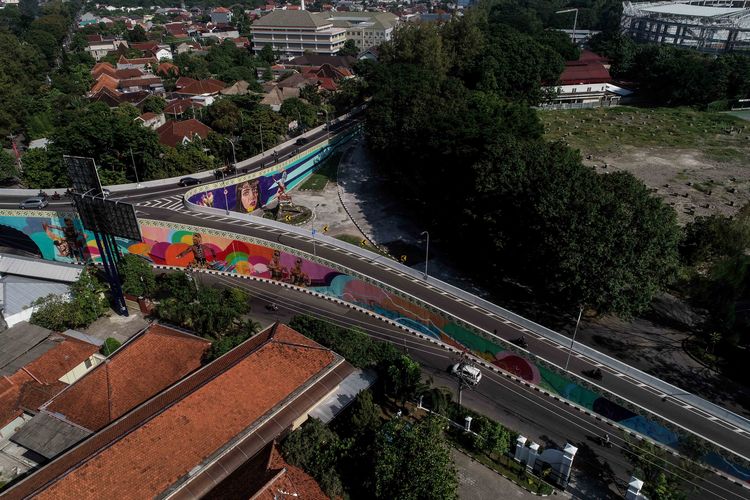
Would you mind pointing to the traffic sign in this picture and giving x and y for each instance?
(403, 258)
(325, 228)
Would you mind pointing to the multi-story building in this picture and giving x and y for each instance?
(100, 46)
(704, 25)
(294, 32)
(367, 29)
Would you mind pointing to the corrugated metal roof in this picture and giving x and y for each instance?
(19, 292)
(682, 9)
(344, 394)
(49, 436)
(37, 268)
(22, 344)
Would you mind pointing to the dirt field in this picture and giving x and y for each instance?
(696, 161)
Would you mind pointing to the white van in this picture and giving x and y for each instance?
(470, 374)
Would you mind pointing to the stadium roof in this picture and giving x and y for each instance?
(687, 10)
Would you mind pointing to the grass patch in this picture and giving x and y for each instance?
(607, 130)
(325, 173)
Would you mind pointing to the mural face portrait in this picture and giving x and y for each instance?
(63, 248)
(247, 196)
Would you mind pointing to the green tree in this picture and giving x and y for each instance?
(8, 170)
(87, 303)
(402, 377)
(349, 49)
(137, 276)
(296, 109)
(267, 55)
(412, 461)
(41, 171)
(317, 450)
(137, 34)
(154, 104)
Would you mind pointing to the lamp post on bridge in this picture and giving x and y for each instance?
(426, 252)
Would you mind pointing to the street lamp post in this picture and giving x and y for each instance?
(312, 226)
(573, 340)
(226, 198)
(426, 252)
(575, 21)
(234, 155)
(262, 149)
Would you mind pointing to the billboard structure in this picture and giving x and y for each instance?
(107, 219)
(82, 171)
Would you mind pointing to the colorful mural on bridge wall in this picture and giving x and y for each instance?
(60, 237)
(252, 191)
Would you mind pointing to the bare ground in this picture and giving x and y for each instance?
(685, 179)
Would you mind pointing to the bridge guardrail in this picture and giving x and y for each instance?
(642, 377)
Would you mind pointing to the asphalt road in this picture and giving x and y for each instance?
(541, 419)
(719, 432)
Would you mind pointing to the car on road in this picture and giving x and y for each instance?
(468, 373)
(302, 141)
(189, 181)
(35, 202)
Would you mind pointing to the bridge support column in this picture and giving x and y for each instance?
(533, 454)
(569, 453)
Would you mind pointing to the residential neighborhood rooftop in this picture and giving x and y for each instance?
(166, 444)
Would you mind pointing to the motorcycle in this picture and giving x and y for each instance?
(56, 196)
(521, 342)
(595, 374)
(272, 307)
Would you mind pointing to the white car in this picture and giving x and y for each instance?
(470, 374)
(36, 202)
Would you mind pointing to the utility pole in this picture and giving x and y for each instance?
(573, 340)
(312, 225)
(132, 159)
(262, 149)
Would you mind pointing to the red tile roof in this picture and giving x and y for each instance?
(128, 73)
(103, 67)
(37, 382)
(200, 87)
(589, 68)
(147, 364)
(104, 81)
(137, 60)
(173, 133)
(241, 388)
(263, 476)
(221, 10)
(183, 82)
(167, 68)
(179, 106)
(142, 82)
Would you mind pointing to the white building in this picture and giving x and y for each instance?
(367, 29)
(292, 32)
(99, 49)
(705, 25)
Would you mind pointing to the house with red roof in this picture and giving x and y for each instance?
(174, 133)
(151, 120)
(203, 91)
(583, 84)
(178, 107)
(35, 365)
(141, 63)
(167, 69)
(221, 15)
(206, 433)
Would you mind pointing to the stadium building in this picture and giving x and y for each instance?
(705, 25)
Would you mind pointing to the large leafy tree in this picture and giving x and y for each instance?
(413, 461)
